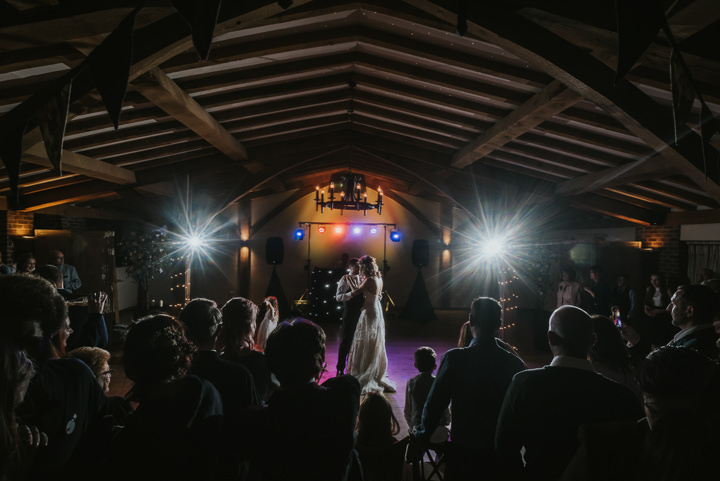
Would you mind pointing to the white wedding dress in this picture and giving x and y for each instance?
(368, 360)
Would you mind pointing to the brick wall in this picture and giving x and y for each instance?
(665, 241)
(17, 224)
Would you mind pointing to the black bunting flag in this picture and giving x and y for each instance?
(52, 120)
(638, 22)
(201, 16)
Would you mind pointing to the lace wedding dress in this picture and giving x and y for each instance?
(368, 360)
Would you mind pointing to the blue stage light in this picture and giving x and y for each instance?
(395, 236)
(373, 230)
(299, 234)
(357, 230)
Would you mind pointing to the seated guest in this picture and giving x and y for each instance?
(382, 456)
(657, 297)
(86, 322)
(5, 269)
(269, 322)
(680, 435)
(474, 379)
(26, 263)
(416, 393)
(70, 276)
(98, 360)
(63, 400)
(236, 338)
(313, 423)
(544, 408)
(203, 321)
(175, 431)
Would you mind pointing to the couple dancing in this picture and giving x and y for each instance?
(363, 341)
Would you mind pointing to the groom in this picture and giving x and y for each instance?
(351, 310)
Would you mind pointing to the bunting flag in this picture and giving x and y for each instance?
(110, 63)
(52, 120)
(461, 27)
(638, 22)
(683, 91)
(201, 16)
(11, 155)
(285, 4)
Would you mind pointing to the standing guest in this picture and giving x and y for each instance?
(657, 297)
(543, 408)
(352, 306)
(599, 292)
(609, 355)
(474, 380)
(203, 321)
(71, 281)
(623, 296)
(569, 289)
(416, 393)
(269, 322)
(5, 269)
(692, 309)
(64, 399)
(315, 423)
(175, 433)
(236, 338)
(26, 263)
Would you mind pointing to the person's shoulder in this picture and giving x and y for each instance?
(342, 384)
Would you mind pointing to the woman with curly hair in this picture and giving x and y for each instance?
(237, 341)
(174, 432)
(368, 359)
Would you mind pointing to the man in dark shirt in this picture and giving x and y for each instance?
(474, 379)
(544, 408)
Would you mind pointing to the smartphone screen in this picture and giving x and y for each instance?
(616, 317)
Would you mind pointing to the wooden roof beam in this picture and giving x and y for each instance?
(161, 90)
(80, 164)
(650, 168)
(542, 106)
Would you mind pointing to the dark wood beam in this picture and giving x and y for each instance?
(548, 102)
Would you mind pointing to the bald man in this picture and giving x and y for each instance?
(544, 408)
(71, 281)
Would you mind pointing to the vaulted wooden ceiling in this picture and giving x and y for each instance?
(522, 106)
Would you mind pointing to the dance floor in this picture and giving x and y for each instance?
(403, 337)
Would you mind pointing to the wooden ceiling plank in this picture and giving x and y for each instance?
(650, 168)
(548, 102)
(80, 164)
(711, 216)
(583, 73)
(161, 90)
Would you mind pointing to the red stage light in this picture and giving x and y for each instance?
(321, 229)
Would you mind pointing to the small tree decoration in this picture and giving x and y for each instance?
(145, 255)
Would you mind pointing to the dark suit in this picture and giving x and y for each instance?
(543, 410)
(475, 379)
(232, 380)
(352, 308)
(702, 339)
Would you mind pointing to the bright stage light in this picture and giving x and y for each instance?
(321, 229)
(373, 230)
(339, 229)
(494, 247)
(299, 234)
(395, 236)
(194, 242)
(357, 230)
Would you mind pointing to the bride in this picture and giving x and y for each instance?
(368, 360)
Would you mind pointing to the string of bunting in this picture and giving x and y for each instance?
(108, 67)
(638, 24)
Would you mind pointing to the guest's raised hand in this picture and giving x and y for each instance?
(96, 302)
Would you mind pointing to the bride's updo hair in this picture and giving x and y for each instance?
(368, 267)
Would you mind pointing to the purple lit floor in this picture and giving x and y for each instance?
(403, 337)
